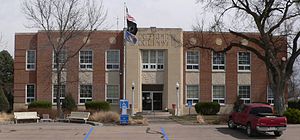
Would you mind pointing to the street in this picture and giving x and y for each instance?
(174, 131)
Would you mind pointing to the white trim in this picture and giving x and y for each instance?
(84, 97)
(186, 64)
(243, 64)
(86, 64)
(26, 61)
(52, 96)
(212, 94)
(186, 92)
(156, 64)
(26, 92)
(212, 64)
(113, 64)
(238, 90)
(112, 98)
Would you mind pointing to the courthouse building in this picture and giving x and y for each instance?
(155, 65)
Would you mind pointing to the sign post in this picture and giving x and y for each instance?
(124, 116)
(190, 105)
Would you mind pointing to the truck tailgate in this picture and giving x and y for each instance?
(271, 121)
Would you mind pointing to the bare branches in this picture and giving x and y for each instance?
(64, 22)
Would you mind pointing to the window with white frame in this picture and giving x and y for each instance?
(244, 61)
(86, 60)
(153, 59)
(30, 59)
(112, 94)
(270, 96)
(62, 93)
(219, 94)
(218, 61)
(30, 93)
(113, 60)
(244, 93)
(192, 93)
(86, 93)
(62, 57)
(192, 60)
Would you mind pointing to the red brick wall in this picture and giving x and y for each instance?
(23, 42)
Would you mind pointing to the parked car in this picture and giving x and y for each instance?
(257, 117)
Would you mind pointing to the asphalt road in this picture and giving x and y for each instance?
(74, 131)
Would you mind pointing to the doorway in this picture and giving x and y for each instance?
(152, 100)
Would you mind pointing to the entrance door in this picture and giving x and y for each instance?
(152, 100)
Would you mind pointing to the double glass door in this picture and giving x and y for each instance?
(152, 100)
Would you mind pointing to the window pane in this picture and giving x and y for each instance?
(218, 91)
(30, 91)
(31, 56)
(192, 57)
(152, 56)
(145, 56)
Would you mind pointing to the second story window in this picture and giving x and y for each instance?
(113, 60)
(218, 62)
(30, 59)
(62, 57)
(86, 60)
(244, 61)
(192, 60)
(153, 59)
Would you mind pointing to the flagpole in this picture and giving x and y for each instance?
(124, 55)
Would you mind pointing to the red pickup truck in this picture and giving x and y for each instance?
(257, 117)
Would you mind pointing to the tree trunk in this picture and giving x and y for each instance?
(278, 89)
(58, 76)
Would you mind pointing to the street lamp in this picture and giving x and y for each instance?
(177, 93)
(132, 108)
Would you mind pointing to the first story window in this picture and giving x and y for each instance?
(270, 96)
(30, 93)
(153, 59)
(30, 59)
(86, 93)
(62, 93)
(112, 94)
(192, 93)
(244, 93)
(219, 94)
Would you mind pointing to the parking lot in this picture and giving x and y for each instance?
(174, 131)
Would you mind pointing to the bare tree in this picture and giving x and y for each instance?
(64, 21)
(278, 35)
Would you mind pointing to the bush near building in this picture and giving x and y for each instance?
(207, 108)
(294, 104)
(4, 104)
(40, 104)
(292, 115)
(69, 104)
(97, 105)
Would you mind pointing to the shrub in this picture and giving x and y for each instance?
(4, 105)
(292, 115)
(69, 104)
(294, 104)
(207, 108)
(97, 105)
(105, 117)
(6, 117)
(40, 104)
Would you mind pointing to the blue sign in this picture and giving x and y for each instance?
(190, 104)
(124, 104)
(124, 119)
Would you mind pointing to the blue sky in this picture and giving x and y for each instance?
(148, 13)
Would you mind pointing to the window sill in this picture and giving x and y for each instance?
(218, 71)
(192, 70)
(86, 70)
(244, 71)
(113, 70)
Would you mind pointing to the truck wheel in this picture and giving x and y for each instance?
(278, 133)
(250, 132)
(231, 124)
